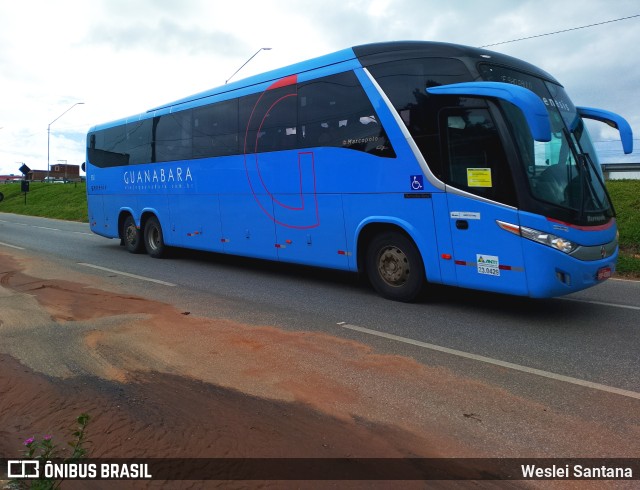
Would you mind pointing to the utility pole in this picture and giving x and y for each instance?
(49, 135)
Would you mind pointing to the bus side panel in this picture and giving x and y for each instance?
(95, 203)
(414, 216)
(296, 190)
(317, 240)
(113, 204)
(247, 226)
(195, 222)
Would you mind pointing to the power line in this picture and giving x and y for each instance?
(564, 30)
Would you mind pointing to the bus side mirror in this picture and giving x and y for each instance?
(613, 120)
(529, 103)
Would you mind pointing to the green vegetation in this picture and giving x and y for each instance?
(45, 450)
(69, 201)
(625, 195)
(50, 200)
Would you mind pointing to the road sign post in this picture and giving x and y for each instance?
(24, 184)
(24, 187)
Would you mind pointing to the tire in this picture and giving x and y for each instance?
(394, 267)
(153, 238)
(131, 236)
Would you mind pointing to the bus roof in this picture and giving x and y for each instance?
(270, 76)
(366, 54)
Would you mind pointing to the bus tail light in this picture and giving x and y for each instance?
(542, 237)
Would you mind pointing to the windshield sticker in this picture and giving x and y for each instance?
(488, 264)
(479, 177)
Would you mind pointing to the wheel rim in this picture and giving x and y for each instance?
(154, 238)
(131, 234)
(393, 266)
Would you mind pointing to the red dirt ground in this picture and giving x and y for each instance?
(161, 383)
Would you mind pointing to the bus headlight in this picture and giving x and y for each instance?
(542, 237)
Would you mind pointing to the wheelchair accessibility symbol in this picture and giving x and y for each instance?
(417, 183)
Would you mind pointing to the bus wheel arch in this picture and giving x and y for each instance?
(391, 260)
(130, 234)
(153, 235)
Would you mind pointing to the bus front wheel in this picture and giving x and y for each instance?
(153, 239)
(131, 235)
(394, 267)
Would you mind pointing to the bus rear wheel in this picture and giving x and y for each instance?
(394, 267)
(131, 235)
(153, 238)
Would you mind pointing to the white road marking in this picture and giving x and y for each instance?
(47, 228)
(135, 276)
(11, 246)
(495, 362)
(623, 280)
(601, 303)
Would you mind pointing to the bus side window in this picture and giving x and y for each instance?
(335, 111)
(109, 147)
(139, 147)
(215, 129)
(474, 157)
(278, 128)
(172, 136)
(268, 120)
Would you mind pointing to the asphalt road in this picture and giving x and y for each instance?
(589, 339)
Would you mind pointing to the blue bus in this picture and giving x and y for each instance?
(408, 162)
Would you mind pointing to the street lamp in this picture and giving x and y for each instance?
(254, 55)
(49, 134)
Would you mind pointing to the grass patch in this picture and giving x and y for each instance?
(69, 202)
(61, 201)
(625, 195)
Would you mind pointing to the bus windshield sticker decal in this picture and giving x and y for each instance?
(464, 215)
(416, 183)
(488, 264)
(479, 177)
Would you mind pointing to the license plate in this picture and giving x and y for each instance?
(604, 273)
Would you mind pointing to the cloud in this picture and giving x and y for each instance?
(167, 37)
(122, 57)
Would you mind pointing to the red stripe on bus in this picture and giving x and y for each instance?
(606, 226)
(284, 82)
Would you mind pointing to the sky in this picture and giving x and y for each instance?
(123, 57)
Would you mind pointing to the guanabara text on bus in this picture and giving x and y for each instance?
(410, 162)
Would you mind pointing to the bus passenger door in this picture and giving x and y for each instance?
(480, 191)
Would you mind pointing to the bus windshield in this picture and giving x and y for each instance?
(564, 172)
